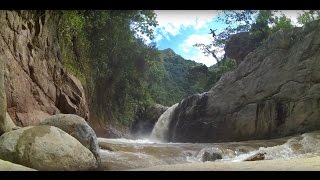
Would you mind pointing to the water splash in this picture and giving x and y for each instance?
(298, 146)
(126, 141)
(161, 128)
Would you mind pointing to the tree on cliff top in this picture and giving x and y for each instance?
(260, 24)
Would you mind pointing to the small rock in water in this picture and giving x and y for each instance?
(210, 156)
(256, 157)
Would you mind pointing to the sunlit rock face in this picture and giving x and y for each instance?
(274, 92)
(36, 83)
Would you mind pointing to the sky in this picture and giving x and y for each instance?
(181, 29)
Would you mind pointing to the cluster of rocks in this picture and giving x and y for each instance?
(61, 142)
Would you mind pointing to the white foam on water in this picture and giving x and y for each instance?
(127, 141)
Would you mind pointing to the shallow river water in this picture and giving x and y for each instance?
(126, 154)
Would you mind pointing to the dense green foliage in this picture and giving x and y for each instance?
(217, 70)
(181, 78)
(308, 16)
(121, 74)
(176, 82)
(102, 49)
(74, 43)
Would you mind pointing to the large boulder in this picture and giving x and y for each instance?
(274, 92)
(45, 148)
(36, 83)
(77, 127)
(146, 119)
(240, 45)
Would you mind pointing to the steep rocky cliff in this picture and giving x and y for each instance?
(274, 92)
(240, 45)
(36, 83)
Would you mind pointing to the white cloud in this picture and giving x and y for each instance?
(158, 37)
(171, 21)
(194, 53)
(188, 43)
(144, 37)
(201, 58)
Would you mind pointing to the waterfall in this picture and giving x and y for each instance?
(161, 128)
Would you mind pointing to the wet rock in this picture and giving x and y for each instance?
(256, 157)
(209, 154)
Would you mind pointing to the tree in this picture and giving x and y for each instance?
(281, 23)
(242, 19)
(208, 50)
(258, 23)
(308, 16)
(105, 48)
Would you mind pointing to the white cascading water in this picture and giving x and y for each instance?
(305, 144)
(161, 128)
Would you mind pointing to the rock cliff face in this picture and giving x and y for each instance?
(240, 45)
(36, 84)
(274, 92)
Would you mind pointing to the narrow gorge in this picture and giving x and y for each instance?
(81, 91)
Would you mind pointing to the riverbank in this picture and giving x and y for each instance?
(296, 164)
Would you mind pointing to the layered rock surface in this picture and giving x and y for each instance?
(274, 92)
(240, 45)
(36, 84)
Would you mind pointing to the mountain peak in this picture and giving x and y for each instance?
(168, 52)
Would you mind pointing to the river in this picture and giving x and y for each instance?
(126, 154)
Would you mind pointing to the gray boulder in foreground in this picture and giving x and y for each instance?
(78, 128)
(45, 148)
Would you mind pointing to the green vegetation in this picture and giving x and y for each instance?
(102, 49)
(181, 78)
(176, 81)
(74, 43)
(308, 16)
(120, 73)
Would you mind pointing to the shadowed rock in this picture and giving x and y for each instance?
(146, 119)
